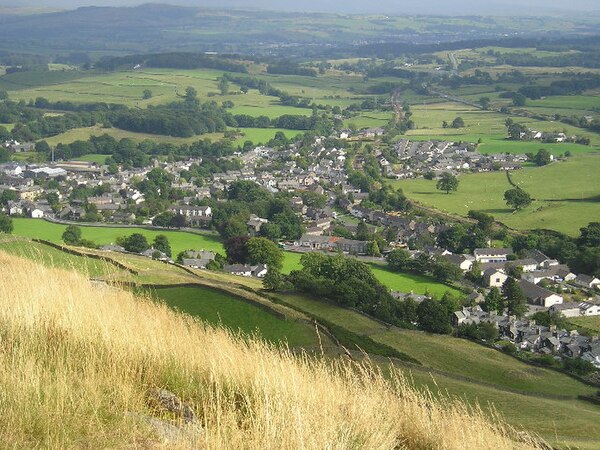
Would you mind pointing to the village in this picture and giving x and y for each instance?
(46, 191)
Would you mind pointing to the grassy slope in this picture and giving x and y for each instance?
(79, 364)
(494, 377)
(455, 358)
(221, 309)
(555, 186)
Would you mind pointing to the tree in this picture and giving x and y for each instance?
(445, 271)
(135, 243)
(484, 102)
(72, 235)
(236, 249)
(362, 232)
(264, 251)
(161, 243)
(191, 95)
(223, 86)
(494, 302)
(373, 249)
(542, 157)
(484, 221)
(458, 123)
(6, 224)
(515, 299)
(147, 94)
(519, 99)
(273, 280)
(447, 183)
(517, 198)
(399, 259)
(433, 317)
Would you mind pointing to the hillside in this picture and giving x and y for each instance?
(80, 363)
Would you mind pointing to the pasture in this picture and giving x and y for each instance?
(565, 194)
(179, 241)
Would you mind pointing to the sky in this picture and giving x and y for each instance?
(445, 7)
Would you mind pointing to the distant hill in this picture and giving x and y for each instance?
(152, 28)
(85, 363)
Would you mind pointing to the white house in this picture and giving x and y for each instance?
(538, 295)
(570, 309)
(494, 277)
(491, 255)
(589, 309)
(36, 213)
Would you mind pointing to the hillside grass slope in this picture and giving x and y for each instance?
(79, 359)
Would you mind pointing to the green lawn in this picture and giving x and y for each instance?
(222, 309)
(33, 228)
(591, 323)
(95, 158)
(407, 282)
(564, 193)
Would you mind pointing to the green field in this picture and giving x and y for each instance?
(222, 309)
(179, 241)
(489, 127)
(591, 323)
(565, 193)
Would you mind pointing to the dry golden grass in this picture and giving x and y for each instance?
(77, 361)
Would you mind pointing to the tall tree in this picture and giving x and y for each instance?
(6, 224)
(447, 183)
(494, 302)
(264, 251)
(161, 243)
(515, 299)
(517, 198)
(72, 235)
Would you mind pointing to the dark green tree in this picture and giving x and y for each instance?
(517, 198)
(515, 299)
(447, 183)
(433, 317)
(6, 224)
(264, 251)
(72, 235)
(161, 243)
(542, 157)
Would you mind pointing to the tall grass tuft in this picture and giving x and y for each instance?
(78, 359)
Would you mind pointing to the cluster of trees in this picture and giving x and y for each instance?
(458, 122)
(575, 84)
(175, 60)
(138, 243)
(181, 119)
(72, 236)
(510, 299)
(247, 82)
(246, 198)
(254, 250)
(582, 254)
(589, 59)
(133, 154)
(400, 260)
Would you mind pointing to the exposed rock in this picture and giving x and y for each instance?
(162, 399)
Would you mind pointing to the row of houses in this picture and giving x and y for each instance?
(528, 335)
